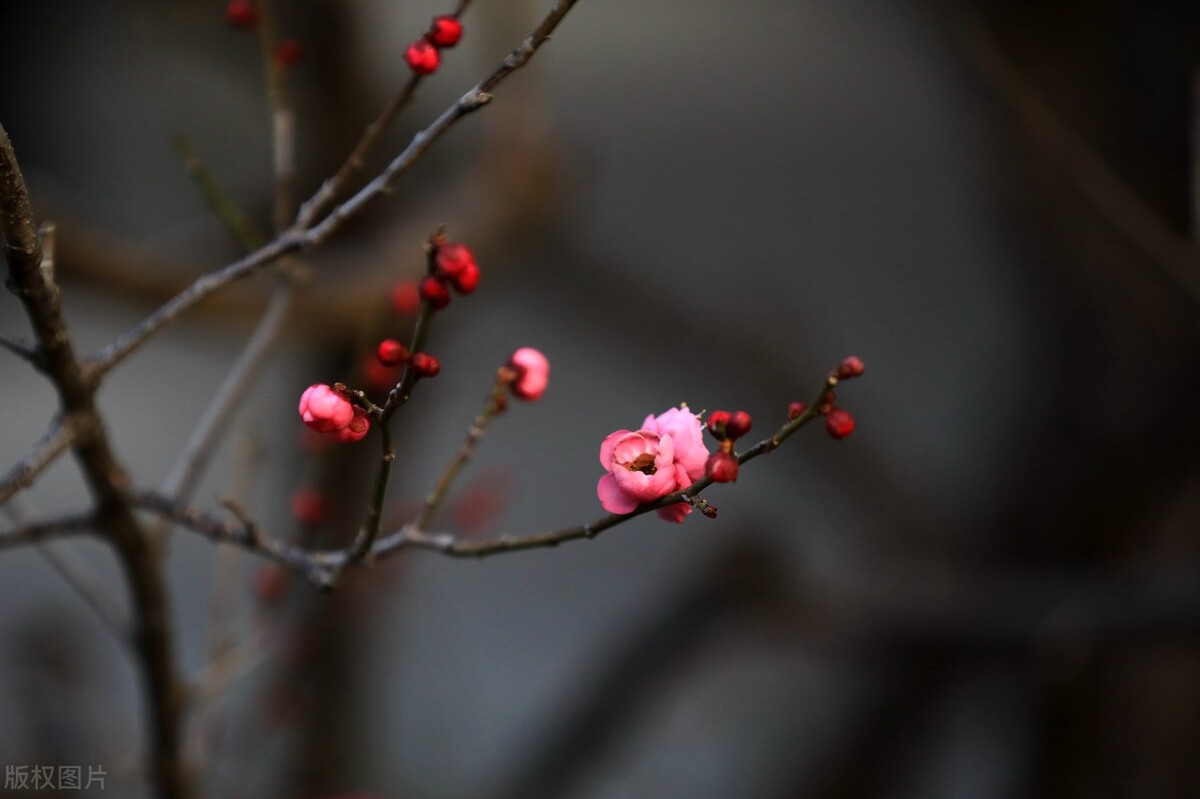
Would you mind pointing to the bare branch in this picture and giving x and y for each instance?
(33, 283)
(473, 100)
(135, 337)
(37, 532)
(494, 405)
(20, 350)
(1117, 203)
(190, 465)
(55, 442)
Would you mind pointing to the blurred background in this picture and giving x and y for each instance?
(989, 590)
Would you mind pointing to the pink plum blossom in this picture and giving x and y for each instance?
(324, 410)
(667, 454)
(533, 373)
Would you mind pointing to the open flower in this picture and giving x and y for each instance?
(667, 454)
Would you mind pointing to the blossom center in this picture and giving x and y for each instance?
(643, 463)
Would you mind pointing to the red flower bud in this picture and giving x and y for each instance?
(839, 423)
(241, 14)
(424, 364)
(436, 292)
(309, 506)
(795, 410)
(466, 280)
(721, 467)
(379, 377)
(391, 352)
(452, 259)
(270, 582)
(445, 31)
(716, 424)
(422, 57)
(288, 53)
(738, 425)
(851, 367)
(406, 298)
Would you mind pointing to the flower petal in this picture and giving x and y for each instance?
(612, 497)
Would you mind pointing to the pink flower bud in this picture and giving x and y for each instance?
(324, 410)
(532, 373)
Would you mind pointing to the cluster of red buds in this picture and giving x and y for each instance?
(244, 15)
(726, 427)
(453, 266)
(423, 56)
(839, 423)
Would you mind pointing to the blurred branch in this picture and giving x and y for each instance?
(1119, 205)
(494, 405)
(55, 442)
(33, 284)
(75, 524)
(20, 350)
(215, 197)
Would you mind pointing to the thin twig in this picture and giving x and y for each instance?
(494, 405)
(20, 350)
(55, 442)
(37, 532)
(215, 197)
(316, 205)
(78, 573)
(473, 100)
(185, 473)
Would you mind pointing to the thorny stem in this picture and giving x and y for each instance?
(495, 404)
